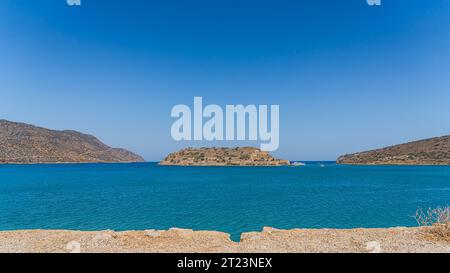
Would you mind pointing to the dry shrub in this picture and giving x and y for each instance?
(437, 220)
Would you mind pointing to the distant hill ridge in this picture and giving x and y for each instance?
(240, 156)
(433, 151)
(24, 143)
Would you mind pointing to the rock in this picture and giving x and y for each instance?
(153, 233)
(102, 236)
(373, 247)
(285, 241)
(270, 230)
(249, 236)
(73, 247)
(182, 232)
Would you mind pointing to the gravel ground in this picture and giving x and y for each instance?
(188, 241)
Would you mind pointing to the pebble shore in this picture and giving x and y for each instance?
(391, 240)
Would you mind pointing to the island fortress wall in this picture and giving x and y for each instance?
(244, 156)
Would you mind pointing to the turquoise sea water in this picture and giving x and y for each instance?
(230, 199)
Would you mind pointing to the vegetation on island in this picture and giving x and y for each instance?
(22, 143)
(433, 151)
(240, 156)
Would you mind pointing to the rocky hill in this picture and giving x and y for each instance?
(433, 151)
(245, 156)
(24, 143)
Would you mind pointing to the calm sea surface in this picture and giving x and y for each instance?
(230, 199)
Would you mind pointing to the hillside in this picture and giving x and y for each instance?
(24, 143)
(245, 156)
(433, 151)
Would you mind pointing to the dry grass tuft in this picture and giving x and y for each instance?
(437, 220)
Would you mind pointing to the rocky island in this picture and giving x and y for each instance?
(242, 156)
(22, 143)
(433, 151)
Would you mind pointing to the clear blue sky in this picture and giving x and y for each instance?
(347, 76)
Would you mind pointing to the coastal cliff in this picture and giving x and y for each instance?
(22, 143)
(244, 156)
(433, 151)
(269, 240)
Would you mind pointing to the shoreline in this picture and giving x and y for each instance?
(394, 164)
(269, 240)
(69, 163)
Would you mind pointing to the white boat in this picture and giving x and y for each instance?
(297, 164)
